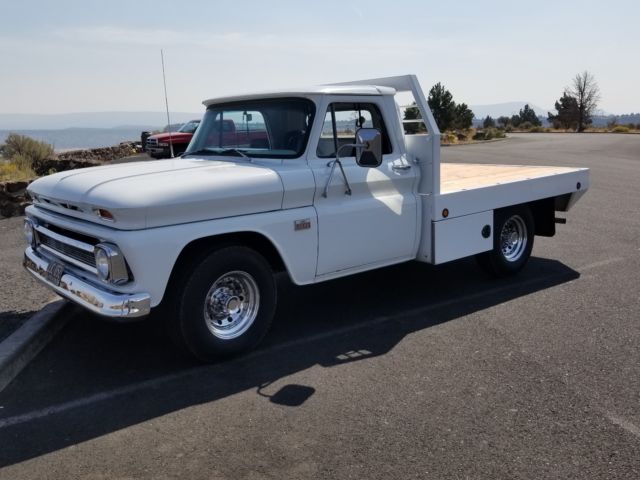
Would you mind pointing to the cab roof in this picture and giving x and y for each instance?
(301, 92)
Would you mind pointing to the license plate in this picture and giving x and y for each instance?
(54, 273)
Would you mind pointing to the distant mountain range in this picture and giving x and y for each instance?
(157, 120)
(505, 109)
(118, 120)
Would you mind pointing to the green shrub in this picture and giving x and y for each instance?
(26, 150)
(525, 126)
(489, 134)
(620, 129)
(538, 129)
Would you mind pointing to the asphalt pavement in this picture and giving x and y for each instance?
(412, 371)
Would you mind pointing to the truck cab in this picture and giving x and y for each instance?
(319, 182)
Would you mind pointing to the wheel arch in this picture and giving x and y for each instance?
(195, 249)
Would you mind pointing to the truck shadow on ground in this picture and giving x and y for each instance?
(10, 321)
(98, 377)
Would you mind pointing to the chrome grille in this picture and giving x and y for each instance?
(73, 250)
(152, 142)
(80, 255)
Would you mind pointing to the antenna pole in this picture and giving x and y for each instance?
(166, 102)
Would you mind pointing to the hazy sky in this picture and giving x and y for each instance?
(83, 56)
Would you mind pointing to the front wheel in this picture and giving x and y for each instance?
(512, 242)
(226, 304)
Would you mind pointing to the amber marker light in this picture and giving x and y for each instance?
(105, 214)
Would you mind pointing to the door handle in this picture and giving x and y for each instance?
(401, 168)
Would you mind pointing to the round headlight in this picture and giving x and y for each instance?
(102, 263)
(29, 234)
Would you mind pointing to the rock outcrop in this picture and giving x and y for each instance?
(13, 198)
(85, 158)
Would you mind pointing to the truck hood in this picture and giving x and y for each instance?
(166, 192)
(177, 137)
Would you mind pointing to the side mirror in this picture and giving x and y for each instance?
(369, 147)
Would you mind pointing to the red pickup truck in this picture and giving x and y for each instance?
(158, 145)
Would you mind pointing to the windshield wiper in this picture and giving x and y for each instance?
(202, 151)
(236, 152)
(226, 151)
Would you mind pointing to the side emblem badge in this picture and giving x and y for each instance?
(304, 224)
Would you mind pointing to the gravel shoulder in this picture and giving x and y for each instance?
(20, 295)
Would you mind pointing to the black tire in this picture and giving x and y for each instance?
(510, 258)
(212, 289)
(178, 150)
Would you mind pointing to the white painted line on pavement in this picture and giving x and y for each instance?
(601, 263)
(81, 402)
(624, 423)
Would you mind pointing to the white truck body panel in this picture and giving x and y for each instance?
(174, 191)
(461, 237)
(152, 253)
(380, 196)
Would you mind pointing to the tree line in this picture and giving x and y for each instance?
(574, 109)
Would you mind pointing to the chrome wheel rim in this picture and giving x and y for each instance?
(513, 238)
(231, 305)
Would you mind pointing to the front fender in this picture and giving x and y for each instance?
(151, 253)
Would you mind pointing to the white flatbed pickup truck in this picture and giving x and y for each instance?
(331, 185)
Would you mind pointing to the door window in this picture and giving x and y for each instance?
(341, 122)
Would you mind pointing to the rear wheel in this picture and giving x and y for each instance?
(512, 242)
(226, 304)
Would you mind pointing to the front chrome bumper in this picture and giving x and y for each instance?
(102, 302)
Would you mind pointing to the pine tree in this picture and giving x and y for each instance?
(489, 122)
(568, 113)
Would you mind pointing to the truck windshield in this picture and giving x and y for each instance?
(268, 128)
(189, 127)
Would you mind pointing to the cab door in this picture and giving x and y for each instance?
(377, 223)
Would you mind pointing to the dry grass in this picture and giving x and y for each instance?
(10, 171)
(616, 129)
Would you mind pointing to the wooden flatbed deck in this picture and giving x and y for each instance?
(456, 177)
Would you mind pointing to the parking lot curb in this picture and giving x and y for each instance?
(19, 348)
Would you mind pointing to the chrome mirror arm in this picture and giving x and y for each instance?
(333, 163)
